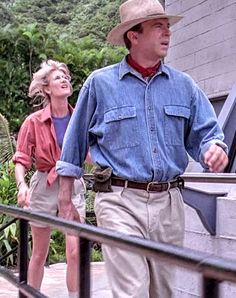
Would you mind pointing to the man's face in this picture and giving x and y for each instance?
(153, 42)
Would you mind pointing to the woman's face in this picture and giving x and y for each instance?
(58, 85)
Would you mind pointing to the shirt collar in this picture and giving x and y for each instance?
(146, 72)
(46, 113)
(125, 68)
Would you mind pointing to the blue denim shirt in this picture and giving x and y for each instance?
(142, 129)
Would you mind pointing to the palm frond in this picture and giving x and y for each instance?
(6, 141)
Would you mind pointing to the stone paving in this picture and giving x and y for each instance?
(54, 283)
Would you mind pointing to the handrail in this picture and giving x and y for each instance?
(212, 268)
(188, 177)
(225, 178)
(197, 177)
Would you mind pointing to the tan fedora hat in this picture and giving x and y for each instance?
(134, 12)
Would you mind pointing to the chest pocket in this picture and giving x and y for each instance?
(176, 123)
(121, 127)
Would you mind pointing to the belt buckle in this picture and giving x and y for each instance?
(149, 184)
(158, 183)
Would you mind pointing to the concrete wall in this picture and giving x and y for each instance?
(204, 43)
(187, 283)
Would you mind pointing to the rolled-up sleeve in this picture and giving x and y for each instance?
(67, 169)
(25, 146)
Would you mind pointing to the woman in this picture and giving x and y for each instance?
(39, 142)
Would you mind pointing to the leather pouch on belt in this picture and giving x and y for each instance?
(102, 179)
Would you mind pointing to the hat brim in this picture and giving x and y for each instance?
(116, 35)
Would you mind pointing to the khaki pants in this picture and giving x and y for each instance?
(44, 198)
(155, 216)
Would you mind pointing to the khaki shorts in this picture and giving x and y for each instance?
(44, 198)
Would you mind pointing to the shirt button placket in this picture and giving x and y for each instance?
(152, 131)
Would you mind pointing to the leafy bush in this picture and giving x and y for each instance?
(9, 236)
(57, 247)
(8, 189)
(24, 47)
(7, 143)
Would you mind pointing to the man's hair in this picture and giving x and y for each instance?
(40, 80)
(137, 28)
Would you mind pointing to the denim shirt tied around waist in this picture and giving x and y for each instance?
(142, 129)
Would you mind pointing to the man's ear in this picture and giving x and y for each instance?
(132, 36)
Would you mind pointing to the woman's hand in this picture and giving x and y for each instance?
(23, 195)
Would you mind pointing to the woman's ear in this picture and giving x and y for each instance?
(47, 90)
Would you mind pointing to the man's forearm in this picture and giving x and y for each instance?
(65, 190)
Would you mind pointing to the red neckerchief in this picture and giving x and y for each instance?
(145, 72)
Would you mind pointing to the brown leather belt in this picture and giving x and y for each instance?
(148, 186)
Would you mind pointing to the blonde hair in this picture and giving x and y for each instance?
(40, 80)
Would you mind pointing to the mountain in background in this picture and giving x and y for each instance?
(62, 17)
(76, 18)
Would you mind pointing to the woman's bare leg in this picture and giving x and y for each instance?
(72, 257)
(41, 239)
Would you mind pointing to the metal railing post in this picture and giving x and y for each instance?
(23, 254)
(210, 288)
(84, 267)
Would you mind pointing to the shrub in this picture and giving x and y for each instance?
(9, 236)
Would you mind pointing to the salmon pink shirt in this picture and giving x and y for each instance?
(37, 143)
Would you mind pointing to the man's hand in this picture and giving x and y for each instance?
(216, 159)
(67, 210)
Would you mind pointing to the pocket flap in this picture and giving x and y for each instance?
(120, 113)
(178, 111)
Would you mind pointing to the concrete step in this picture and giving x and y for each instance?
(54, 284)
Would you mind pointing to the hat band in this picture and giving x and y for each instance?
(156, 14)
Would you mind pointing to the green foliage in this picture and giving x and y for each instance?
(18, 51)
(78, 18)
(22, 49)
(8, 237)
(6, 16)
(75, 18)
(57, 247)
(8, 189)
(96, 255)
(6, 141)
(8, 240)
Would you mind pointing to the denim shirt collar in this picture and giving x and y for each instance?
(125, 68)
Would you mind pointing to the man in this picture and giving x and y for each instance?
(140, 118)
